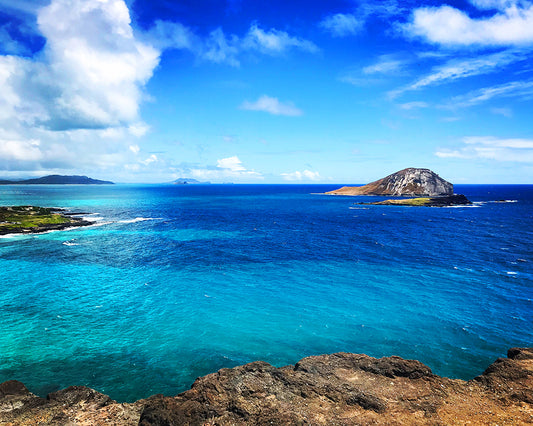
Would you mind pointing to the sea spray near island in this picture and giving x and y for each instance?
(226, 274)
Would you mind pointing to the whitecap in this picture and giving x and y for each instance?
(139, 219)
(512, 273)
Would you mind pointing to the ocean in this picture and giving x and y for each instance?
(177, 281)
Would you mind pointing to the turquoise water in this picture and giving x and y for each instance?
(178, 281)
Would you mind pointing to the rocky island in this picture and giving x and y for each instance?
(337, 389)
(32, 219)
(407, 182)
(429, 188)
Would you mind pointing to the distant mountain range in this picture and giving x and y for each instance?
(57, 180)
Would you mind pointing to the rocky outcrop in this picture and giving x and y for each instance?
(337, 389)
(446, 201)
(409, 182)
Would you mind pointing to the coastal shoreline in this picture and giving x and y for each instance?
(28, 220)
(340, 388)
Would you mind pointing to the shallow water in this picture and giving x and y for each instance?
(178, 281)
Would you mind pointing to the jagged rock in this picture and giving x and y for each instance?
(337, 389)
(410, 181)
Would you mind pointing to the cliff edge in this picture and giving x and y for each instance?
(337, 389)
(409, 182)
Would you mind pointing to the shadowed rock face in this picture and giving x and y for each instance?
(411, 181)
(337, 389)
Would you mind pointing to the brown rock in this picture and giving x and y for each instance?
(337, 389)
(410, 181)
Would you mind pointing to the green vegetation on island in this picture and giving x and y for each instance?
(32, 219)
(450, 200)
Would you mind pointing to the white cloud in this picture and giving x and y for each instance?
(385, 65)
(512, 24)
(23, 150)
(500, 143)
(274, 41)
(272, 106)
(520, 89)
(151, 159)
(134, 148)
(219, 47)
(346, 24)
(73, 104)
(299, 176)
(506, 112)
(342, 24)
(414, 105)
(492, 148)
(166, 34)
(230, 169)
(231, 163)
(457, 69)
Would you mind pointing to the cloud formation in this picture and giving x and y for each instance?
(303, 175)
(458, 69)
(521, 89)
(227, 169)
(272, 106)
(492, 148)
(220, 47)
(342, 24)
(89, 77)
(510, 25)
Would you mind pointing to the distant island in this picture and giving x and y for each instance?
(406, 182)
(187, 181)
(32, 219)
(57, 180)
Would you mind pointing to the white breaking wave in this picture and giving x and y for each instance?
(139, 219)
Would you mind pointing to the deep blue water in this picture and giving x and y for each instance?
(179, 281)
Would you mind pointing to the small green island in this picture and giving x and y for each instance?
(445, 201)
(32, 219)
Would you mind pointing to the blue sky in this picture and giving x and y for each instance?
(266, 92)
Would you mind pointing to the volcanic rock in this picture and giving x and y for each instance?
(406, 182)
(337, 389)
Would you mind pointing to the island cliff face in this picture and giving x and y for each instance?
(337, 389)
(409, 182)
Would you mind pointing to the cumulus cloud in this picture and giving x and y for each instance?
(231, 163)
(342, 24)
(227, 169)
(510, 25)
(272, 106)
(303, 175)
(492, 148)
(86, 85)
